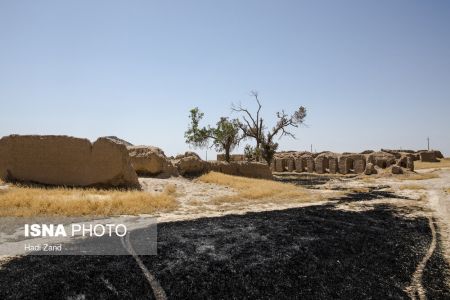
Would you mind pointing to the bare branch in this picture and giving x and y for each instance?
(241, 109)
(253, 126)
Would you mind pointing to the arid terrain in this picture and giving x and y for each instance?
(313, 236)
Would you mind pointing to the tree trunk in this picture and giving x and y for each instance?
(227, 154)
(257, 156)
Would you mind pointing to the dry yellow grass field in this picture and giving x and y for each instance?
(258, 190)
(411, 187)
(22, 201)
(418, 176)
(443, 163)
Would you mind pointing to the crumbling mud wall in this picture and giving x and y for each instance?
(151, 161)
(233, 157)
(190, 164)
(246, 169)
(321, 164)
(64, 160)
(366, 162)
(428, 156)
(346, 163)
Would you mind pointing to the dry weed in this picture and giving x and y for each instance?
(170, 189)
(196, 202)
(360, 190)
(367, 179)
(23, 201)
(443, 163)
(260, 190)
(418, 176)
(411, 187)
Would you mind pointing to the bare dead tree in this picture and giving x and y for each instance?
(253, 127)
(285, 121)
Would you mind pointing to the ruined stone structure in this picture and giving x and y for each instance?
(366, 162)
(333, 165)
(246, 169)
(370, 169)
(64, 160)
(359, 165)
(300, 164)
(151, 161)
(345, 164)
(438, 154)
(381, 159)
(321, 164)
(290, 164)
(310, 165)
(396, 169)
(190, 164)
(279, 165)
(428, 156)
(233, 157)
(352, 163)
(410, 163)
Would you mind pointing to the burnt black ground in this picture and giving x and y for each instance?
(314, 252)
(433, 279)
(308, 181)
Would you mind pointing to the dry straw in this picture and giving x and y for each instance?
(23, 201)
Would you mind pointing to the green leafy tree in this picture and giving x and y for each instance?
(268, 150)
(197, 136)
(224, 137)
(249, 152)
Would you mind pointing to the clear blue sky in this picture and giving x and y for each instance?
(371, 73)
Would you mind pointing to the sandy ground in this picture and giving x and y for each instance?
(439, 202)
(195, 197)
(436, 201)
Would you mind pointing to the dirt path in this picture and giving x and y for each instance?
(158, 291)
(439, 203)
(416, 288)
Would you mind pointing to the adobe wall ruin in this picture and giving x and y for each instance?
(233, 157)
(336, 163)
(64, 160)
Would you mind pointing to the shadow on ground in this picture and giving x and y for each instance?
(305, 180)
(315, 252)
(374, 193)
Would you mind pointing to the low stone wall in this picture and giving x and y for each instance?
(151, 161)
(246, 169)
(190, 164)
(381, 159)
(233, 157)
(333, 165)
(428, 156)
(64, 160)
